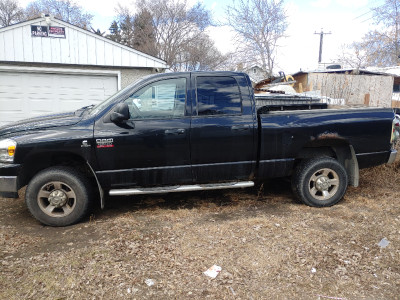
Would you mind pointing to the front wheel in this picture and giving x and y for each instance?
(320, 182)
(58, 196)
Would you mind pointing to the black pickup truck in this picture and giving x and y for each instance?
(177, 132)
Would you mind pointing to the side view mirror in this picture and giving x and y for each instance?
(120, 113)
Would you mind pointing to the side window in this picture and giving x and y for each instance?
(218, 96)
(161, 99)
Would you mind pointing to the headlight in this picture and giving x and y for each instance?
(7, 150)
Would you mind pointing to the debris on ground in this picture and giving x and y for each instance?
(383, 243)
(213, 271)
(149, 282)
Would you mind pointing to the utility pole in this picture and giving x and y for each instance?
(321, 40)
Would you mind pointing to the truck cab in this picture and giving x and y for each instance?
(182, 128)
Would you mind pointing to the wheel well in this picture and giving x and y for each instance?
(342, 152)
(39, 162)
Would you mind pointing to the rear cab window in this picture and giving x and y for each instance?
(218, 96)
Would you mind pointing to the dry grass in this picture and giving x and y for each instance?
(266, 243)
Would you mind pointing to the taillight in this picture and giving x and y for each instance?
(395, 129)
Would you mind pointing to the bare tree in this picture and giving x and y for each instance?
(177, 24)
(381, 46)
(201, 55)
(388, 14)
(353, 56)
(10, 12)
(171, 30)
(65, 10)
(258, 24)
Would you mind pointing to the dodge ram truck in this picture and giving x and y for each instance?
(177, 132)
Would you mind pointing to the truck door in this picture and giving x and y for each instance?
(152, 148)
(223, 133)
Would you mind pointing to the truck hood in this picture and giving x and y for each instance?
(42, 122)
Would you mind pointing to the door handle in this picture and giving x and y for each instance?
(240, 127)
(175, 131)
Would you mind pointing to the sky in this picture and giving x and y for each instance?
(346, 20)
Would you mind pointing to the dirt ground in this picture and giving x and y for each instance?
(268, 246)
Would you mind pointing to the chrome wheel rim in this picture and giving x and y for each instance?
(324, 184)
(56, 199)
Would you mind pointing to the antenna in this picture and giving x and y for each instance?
(321, 40)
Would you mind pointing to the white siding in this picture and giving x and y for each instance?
(91, 50)
(108, 54)
(82, 40)
(9, 46)
(64, 51)
(79, 47)
(73, 46)
(56, 53)
(2, 44)
(36, 49)
(46, 50)
(27, 44)
(117, 56)
(18, 44)
(125, 57)
(100, 52)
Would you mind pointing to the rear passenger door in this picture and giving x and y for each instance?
(223, 129)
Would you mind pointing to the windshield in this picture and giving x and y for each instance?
(102, 105)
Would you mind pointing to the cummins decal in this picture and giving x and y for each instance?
(105, 143)
(85, 144)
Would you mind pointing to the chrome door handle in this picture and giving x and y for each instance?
(240, 127)
(175, 131)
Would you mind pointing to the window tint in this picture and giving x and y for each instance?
(218, 95)
(160, 99)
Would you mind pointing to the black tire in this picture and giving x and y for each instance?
(58, 196)
(320, 182)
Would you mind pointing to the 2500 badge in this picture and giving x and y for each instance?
(105, 143)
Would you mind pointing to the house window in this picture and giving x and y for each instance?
(254, 71)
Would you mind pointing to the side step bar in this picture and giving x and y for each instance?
(181, 188)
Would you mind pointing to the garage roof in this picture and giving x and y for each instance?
(71, 45)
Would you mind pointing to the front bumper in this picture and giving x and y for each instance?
(392, 156)
(9, 180)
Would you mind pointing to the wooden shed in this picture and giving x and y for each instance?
(353, 87)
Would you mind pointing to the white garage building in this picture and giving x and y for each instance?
(47, 65)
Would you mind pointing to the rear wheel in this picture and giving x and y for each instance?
(320, 182)
(58, 196)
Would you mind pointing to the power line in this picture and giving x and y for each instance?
(378, 3)
(369, 11)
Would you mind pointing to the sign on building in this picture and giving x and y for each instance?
(47, 31)
(40, 31)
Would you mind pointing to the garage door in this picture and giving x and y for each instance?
(26, 95)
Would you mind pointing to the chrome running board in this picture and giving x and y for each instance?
(181, 188)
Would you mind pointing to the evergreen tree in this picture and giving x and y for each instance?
(126, 29)
(144, 37)
(115, 32)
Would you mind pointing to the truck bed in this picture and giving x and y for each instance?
(282, 135)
